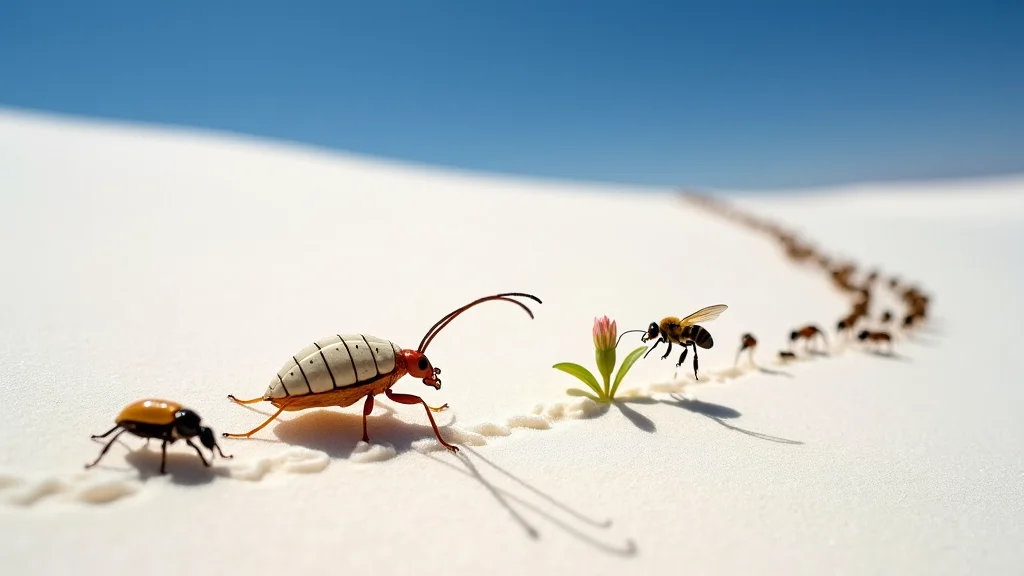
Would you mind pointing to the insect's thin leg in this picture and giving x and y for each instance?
(667, 352)
(367, 408)
(737, 361)
(410, 399)
(682, 357)
(163, 457)
(198, 451)
(237, 401)
(105, 448)
(107, 433)
(261, 426)
(651, 349)
(695, 361)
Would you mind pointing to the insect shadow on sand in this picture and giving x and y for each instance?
(771, 372)
(504, 497)
(637, 419)
(337, 433)
(720, 414)
(889, 355)
(183, 466)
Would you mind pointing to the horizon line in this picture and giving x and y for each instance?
(254, 138)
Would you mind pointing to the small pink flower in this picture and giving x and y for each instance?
(605, 333)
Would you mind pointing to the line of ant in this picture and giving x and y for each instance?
(842, 276)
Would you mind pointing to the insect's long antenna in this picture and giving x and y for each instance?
(440, 324)
(627, 332)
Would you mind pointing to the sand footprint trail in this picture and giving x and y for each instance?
(91, 489)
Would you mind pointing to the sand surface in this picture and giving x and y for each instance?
(142, 262)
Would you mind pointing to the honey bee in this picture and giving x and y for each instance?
(684, 332)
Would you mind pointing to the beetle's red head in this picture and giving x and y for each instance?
(416, 361)
(419, 366)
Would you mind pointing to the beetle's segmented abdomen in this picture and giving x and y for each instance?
(337, 361)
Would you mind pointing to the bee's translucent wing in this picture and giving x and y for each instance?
(704, 314)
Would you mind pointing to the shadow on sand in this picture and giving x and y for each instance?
(720, 414)
(715, 412)
(771, 372)
(504, 499)
(888, 354)
(336, 432)
(183, 465)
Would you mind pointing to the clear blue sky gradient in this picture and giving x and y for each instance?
(719, 94)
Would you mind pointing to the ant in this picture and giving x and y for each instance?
(807, 333)
(876, 338)
(748, 342)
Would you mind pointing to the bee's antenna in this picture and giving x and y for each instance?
(627, 332)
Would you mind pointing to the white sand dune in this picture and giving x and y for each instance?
(141, 262)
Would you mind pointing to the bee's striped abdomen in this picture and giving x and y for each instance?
(699, 335)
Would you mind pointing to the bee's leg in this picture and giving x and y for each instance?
(667, 352)
(682, 357)
(651, 349)
(695, 362)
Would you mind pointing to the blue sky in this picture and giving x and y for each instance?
(719, 94)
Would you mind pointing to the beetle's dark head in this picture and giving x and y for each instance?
(187, 423)
(863, 335)
(794, 335)
(207, 438)
(420, 367)
(652, 332)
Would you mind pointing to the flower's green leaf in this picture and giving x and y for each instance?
(581, 373)
(627, 363)
(576, 392)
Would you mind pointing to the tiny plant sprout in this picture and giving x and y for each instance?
(605, 333)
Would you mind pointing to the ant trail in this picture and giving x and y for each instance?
(630, 549)
(530, 530)
(565, 508)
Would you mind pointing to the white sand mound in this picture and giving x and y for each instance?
(148, 263)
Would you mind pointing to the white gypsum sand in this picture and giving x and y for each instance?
(142, 262)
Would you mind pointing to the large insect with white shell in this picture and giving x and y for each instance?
(340, 369)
